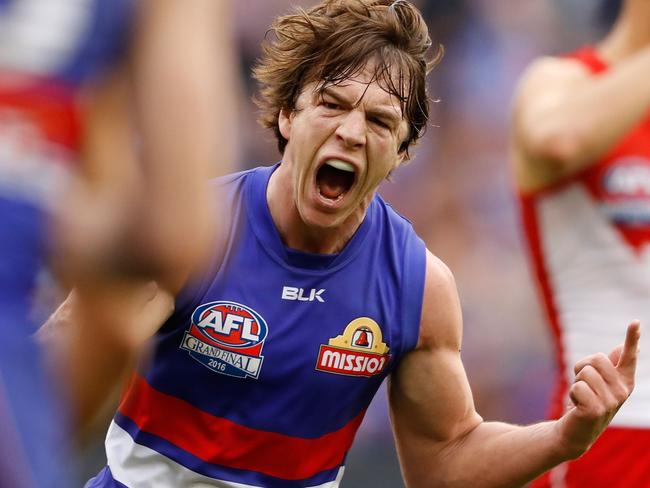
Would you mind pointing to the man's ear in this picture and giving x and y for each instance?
(284, 123)
(402, 154)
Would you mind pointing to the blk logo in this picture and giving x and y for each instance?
(302, 295)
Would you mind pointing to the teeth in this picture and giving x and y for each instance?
(341, 165)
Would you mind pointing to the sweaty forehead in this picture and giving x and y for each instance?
(373, 81)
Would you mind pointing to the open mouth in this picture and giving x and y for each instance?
(334, 179)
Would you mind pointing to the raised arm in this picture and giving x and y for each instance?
(565, 118)
(184, 72)
(156, 130)
(441, 439)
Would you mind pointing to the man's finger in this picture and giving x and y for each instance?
(615, 355)
(630, 347)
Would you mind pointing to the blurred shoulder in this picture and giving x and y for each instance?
(547, 72)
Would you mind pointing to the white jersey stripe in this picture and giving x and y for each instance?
(600, 284)
(137, 466)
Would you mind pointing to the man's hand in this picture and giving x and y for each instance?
(602, 383)
(95, 337)
(126, 314)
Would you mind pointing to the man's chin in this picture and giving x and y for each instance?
(323, 221)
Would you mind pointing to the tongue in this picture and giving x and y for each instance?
(332, 182)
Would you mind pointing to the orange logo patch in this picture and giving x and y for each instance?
(359, 351)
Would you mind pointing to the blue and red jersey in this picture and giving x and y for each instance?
(263, 374)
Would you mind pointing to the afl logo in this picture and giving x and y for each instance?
(227, 337)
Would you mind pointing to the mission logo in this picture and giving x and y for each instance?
(227, 337)
(359, 351)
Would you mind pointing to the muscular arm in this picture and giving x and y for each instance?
(148, 211)
(565, 118)
(441, 439)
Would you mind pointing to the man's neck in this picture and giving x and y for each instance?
(629, 34)
(294, 232)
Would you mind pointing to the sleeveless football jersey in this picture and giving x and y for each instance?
(48, 48)
(263, 374)
(588, 237)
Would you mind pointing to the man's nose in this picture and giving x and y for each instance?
(352, 129)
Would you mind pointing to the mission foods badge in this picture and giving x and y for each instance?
(359, 351)
(227, 337)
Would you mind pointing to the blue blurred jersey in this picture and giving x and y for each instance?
(48, 50)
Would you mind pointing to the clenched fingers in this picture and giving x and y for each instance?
(610, 378)
(604, 385)
(584, 397)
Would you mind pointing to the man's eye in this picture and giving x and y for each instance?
(380, 123)
(331, 105)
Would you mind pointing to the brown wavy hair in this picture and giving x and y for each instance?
(332, 42)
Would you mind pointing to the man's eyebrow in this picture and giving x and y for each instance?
(329, 91)
(385, 113)
(390, 114)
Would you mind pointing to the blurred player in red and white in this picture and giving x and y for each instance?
(581, 153)
(110, 111)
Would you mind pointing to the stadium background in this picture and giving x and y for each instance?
(458, 193)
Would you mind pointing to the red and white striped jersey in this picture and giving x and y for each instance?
(589, 241)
